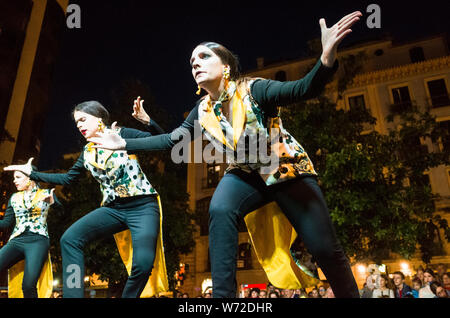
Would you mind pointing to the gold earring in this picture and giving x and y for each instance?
(199, 90)
(226, 73)
(101, 126)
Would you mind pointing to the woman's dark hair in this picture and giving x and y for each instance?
(226, 56)
(430, 271)
(434, 286)
(93, 108)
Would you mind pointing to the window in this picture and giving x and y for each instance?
(212, 175)
(402, 99)
(445, 137)
(356, 102)
(280, 76)
(438, 93)
(202, 215)
(416, 54)
(244, 260)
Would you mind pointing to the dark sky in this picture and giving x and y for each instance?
(153, 43)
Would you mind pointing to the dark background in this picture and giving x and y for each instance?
(152, 42)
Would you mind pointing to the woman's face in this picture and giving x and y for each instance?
(420, 274)
(382, 282)
(445, 279)
(206, 66)
(255, 294)
(87, 124)
(21, 181)
(427, 278)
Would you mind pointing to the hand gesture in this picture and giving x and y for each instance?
(50, 199)
(139, 112)
(109, 140)
(26, 168)
(331, 37)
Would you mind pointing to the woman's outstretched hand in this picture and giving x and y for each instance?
(109, 140)
(139, 112)
(50, 199)
(331, 37)
(26, 168)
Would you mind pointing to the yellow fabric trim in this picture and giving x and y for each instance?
(157, 283)
(239, 114)
(44, 284)
(89, 156)
(272, 235)
(211, 124)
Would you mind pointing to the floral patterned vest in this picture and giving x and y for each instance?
(30, 212)
(288, 159)
(118, 173)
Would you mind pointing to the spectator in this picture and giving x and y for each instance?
(246, 293)
(254, 293)
(185, 295)
(322, 291)
(315, 293)
(428, 278)
(438, 290)
(288, 293)
(416, 286)
(446, 281)
(384, 291)
(441, 270)
(419, 274)
(329, 293)
(366, 292)
(401, 289)
(207, 294)
(274, 294)
(263, 293)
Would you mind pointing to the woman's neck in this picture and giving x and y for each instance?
(215, 89)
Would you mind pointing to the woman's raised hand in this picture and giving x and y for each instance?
(109, 140)
(331, 37)
(49, 199)
(26, 168)
(139, 112)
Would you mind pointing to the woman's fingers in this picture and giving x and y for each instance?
(349, 17)
(347, 25)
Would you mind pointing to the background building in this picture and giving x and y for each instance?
(395, 75)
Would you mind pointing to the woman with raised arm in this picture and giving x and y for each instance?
(130, 209)
(275, 198)
(29, 242)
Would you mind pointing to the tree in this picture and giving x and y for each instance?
(374, 184)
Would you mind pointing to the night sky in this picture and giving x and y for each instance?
(153, 43)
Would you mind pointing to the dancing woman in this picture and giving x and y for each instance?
(130, 206)
(27, 214)
(272, 202)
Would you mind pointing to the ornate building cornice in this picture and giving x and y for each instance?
(402, 71)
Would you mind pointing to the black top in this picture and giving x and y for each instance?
(268, 94)
(75, 171)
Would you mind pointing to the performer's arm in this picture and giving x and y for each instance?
(269, 94)
(141, 115)
(159, 142)
(67, 178)
(9, 220)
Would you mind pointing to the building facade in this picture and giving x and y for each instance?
(394, 75)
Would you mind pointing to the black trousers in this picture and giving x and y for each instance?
(31, 247)
(301, 200)
(138, 214)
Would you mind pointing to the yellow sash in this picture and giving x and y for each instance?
(272, 235)
(44, 285)
(210, 122)
(157, 283)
